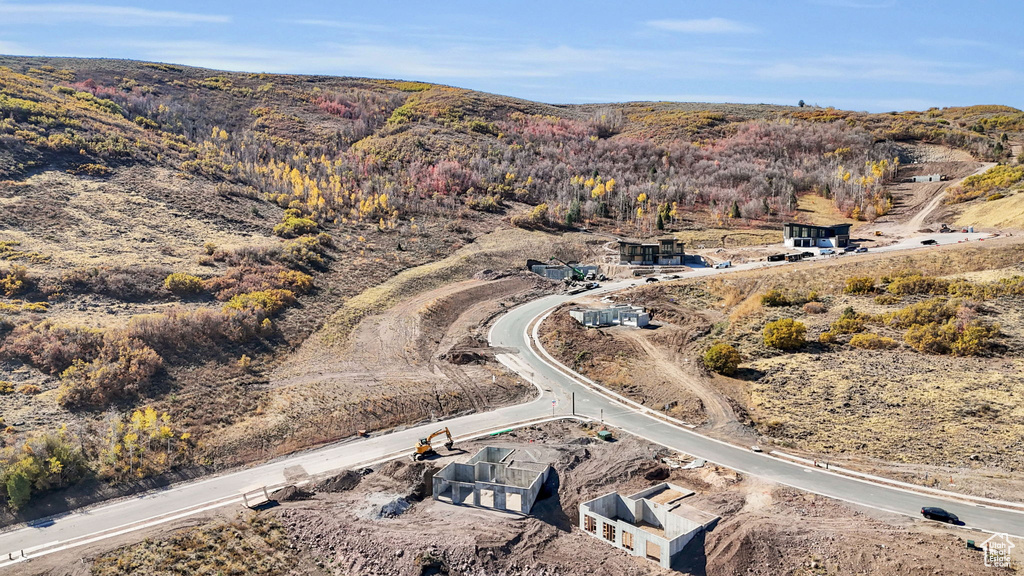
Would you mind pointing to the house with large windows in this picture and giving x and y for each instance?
(811, 236)
(662, 252)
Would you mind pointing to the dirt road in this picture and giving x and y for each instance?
(917, 222)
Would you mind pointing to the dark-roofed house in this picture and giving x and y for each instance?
(662, 252)
(810, 236)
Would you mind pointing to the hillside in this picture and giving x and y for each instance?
(217, 247)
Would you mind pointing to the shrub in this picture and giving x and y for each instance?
(296, 281)
(28, 389)
(996, 196)
(537, 217)
(936, 310)
(6, 387)
(120, 369)
(265, 302)
(127, 284)
(774, 298)
(294, 224)
(931, 338)
(722, 358)
(97, 170)
(873, 342)
(827, 338)
(209, 248)
(183, 284)
(847, 324)
(43, 463)
(860, 285)
(974, 339)
(306, 252)
(52, 348)
(917, 284)
(814, 308)
(784, 334)
(15, 281)
(887, 299)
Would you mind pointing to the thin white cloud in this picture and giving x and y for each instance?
(412, 61)
(885, 68)
(101, 15)
(703, 26)
(338, 24)
(858, 4)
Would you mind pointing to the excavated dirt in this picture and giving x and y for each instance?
(422, 359)
(379, 527)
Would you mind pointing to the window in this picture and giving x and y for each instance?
(609, 532)
(589, 524)
(627, 540)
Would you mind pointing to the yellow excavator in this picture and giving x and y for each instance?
(424, 449)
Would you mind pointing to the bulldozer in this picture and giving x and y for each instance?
(424, 449)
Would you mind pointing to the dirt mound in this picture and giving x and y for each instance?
(289, 494)
(343, 482)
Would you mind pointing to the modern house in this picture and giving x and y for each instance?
(809, 236)
(652, 523)
(617, 315)
(498, 478)
(662, 252)
(927, 178)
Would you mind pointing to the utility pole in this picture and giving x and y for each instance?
(573, 403)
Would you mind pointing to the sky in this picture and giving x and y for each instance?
(873, 55)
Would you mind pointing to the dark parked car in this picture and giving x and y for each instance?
(649, 280)
(807, 254)
(861, 249)
(929, 241)
(849, 249)
(939, 514)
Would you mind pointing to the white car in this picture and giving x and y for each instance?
(826, 252)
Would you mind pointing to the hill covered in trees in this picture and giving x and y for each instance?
(343, 149)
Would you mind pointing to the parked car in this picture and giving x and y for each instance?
(929, 242)
(807, 254)
(649, 280)
(756, 448)
(726, 264)
(933, 513)
(672, 277)
(861, 249)
(850, 249)
(826, 252)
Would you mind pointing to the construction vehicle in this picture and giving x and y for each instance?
(424, 449)
(577, 274)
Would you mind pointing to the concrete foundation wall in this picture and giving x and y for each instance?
(488, 471)
(626, 512)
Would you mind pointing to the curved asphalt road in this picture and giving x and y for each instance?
(510, 332)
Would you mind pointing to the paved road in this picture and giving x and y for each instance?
(509, 332)
(512, 331)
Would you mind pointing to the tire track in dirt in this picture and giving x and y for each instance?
(721, 417)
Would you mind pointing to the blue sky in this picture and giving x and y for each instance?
(874, 55)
